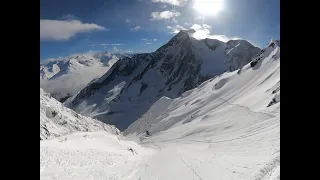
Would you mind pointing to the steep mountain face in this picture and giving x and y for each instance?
(219, 105)
(57, 120)
(133, 84)
(227, 128)
(63, 77)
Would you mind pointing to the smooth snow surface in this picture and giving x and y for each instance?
(90, 156)
(223, 129)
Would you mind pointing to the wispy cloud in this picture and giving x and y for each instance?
(164, 15)
(68, 17)
(55, 30)
(128, 20)
(176, 29)
(116, 44)
(148, 41)
(137, 28)
(203, 31)
(172, 2)
(199, 18)
(206, 26)
(115, 49)
(163, 6)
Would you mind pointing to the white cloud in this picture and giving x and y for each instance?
(223, 38)
(196, 27)
(137, 28)
(117, 44)
(202, 32)
(55, 30)
(164, 15)
(155, 39)
(128, 20)
(176, 29)
(74, 82)
(91, 45)
(206, 26)
(187, 24)
(89, 53)
(172, 2)
(148, 43)
(144, 39)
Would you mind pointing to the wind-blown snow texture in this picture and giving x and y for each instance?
(132, 85)
(57, 120)
(223, 129)
(64, 77)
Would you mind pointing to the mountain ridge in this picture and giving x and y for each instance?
(180, 65)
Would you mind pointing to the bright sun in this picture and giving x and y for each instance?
(208, 7)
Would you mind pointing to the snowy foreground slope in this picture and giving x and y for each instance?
(57, 120)
(227, 128)
(91, 156)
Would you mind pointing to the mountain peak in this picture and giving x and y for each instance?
(184, 33)
(275, 41)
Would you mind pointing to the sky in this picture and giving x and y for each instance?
(130, 26)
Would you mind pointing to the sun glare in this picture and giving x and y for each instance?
(208, 7)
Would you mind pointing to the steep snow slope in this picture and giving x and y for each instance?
(132, 85)
(63, 77)
(57, 120)
(223, 129)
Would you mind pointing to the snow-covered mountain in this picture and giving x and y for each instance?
(57, 120)
(133, 84)
(63, 77)
(226, 128)
(253, 90)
